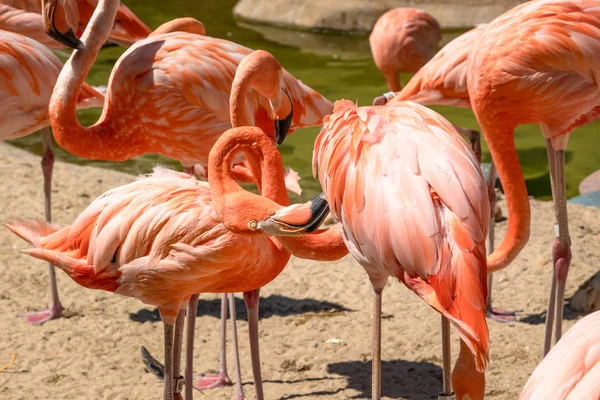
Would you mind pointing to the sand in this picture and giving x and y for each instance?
(315, 331)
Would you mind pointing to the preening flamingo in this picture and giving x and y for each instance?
(443, 81)
(403, 40)
(24, 17)
(29, 71)
(413, 204)
(166, 237)
(537, 63)
(571, 370)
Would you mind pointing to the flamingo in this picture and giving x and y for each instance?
(168, 236)
(29, 71)
(443, 81)
(571, 370)
(169, 94)
(24, 17)
(537, 63)
(406, 161)
(403, 40)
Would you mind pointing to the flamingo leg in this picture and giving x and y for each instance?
(220, 379)
(496, 314)
(239, 392)
(168, 379)
(561, 250)
(189, 351)
(446, 361)
(376, 365)
(252, 298)
(56, 309)
(177, 342)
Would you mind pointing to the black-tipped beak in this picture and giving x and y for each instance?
(279, 225)
(282, 126)
(67, 38)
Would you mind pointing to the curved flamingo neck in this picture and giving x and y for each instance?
(323, 245)
(100, 139)
(467, 382)
(238, 111)
(393, 81)
(189, 25)
(501, 143)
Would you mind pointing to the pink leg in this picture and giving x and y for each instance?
(221, 379)
(168, 380)
(189, 351)
(376, 364)
(496, 314)
(177, 342)
(239, 392)
(56, 308)
(251, 299)
(561, 250)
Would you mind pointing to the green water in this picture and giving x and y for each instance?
(337, 67)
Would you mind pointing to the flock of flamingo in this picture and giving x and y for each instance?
(406, 190)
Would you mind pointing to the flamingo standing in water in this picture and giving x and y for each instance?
(167, 237)
(24, 17)
(571, 370)
(413, 204)
(403, 40)
(29, 71)
(443, 81)
(537, 63)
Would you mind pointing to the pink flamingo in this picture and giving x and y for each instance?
(537, 63)
(413, 204)
(29, 71)
(403, 40)
(166, 237)
(571, 370)
(443, 81)
(24, 17)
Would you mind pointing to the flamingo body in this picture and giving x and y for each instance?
(159, 240)
(169, 94)
(413, 204)
(403, 40)
(28, 71)
(571, 370)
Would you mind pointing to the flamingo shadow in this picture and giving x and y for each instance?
(540, 318)
(274, 305)
(400, 378)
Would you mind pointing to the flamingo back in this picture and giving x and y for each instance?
(571, 370)
(413, 204)
(443, 80)
(404, 39)
(28, 72)
(540, 58)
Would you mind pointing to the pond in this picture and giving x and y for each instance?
(337, 66)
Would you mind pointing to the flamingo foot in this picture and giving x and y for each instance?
(40, 317)
(500, 315)
(213, 381)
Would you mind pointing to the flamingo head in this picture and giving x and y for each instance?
(60, 23)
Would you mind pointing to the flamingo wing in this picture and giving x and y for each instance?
(571, 370)
(413, 204)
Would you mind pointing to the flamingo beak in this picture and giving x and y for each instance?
(282, 126)
(67, 38)
(295, 220)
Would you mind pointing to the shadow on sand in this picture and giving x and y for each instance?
(269, 306)
(400, 379)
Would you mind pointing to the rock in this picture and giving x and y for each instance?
(587, 297)
(590, 183)
(360, 16)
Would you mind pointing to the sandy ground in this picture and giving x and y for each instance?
(94, 353)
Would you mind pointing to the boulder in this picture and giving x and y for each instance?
(360, 15)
